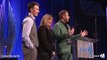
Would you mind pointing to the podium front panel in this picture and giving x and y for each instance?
(85, 49)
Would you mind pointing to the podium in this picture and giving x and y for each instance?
(84, 48)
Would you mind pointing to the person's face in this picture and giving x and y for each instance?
(49, 23)
(35, 10)
(66, 17)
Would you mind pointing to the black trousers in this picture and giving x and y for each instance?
(44, 56)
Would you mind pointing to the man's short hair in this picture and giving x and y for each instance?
(31, 5)
(62, 12)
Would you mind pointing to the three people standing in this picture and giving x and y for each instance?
(41, 42)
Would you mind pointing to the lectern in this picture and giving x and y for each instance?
(84, 48)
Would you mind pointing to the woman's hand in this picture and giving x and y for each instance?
(53, 53)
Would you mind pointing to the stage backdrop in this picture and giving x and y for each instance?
(106, 16)
(10, 29)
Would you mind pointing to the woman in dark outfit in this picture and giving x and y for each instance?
(46, 37)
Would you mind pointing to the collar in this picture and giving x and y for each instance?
(32, 16)
(62, 22)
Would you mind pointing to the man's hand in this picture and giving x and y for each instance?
(84, 33)
(71, 31)
(29, 45)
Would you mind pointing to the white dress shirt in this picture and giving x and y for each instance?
(27, 25)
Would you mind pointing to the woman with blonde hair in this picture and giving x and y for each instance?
(46, 37)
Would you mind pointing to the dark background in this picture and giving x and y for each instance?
(82, 16)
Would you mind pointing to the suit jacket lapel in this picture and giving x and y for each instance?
(63, 28)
